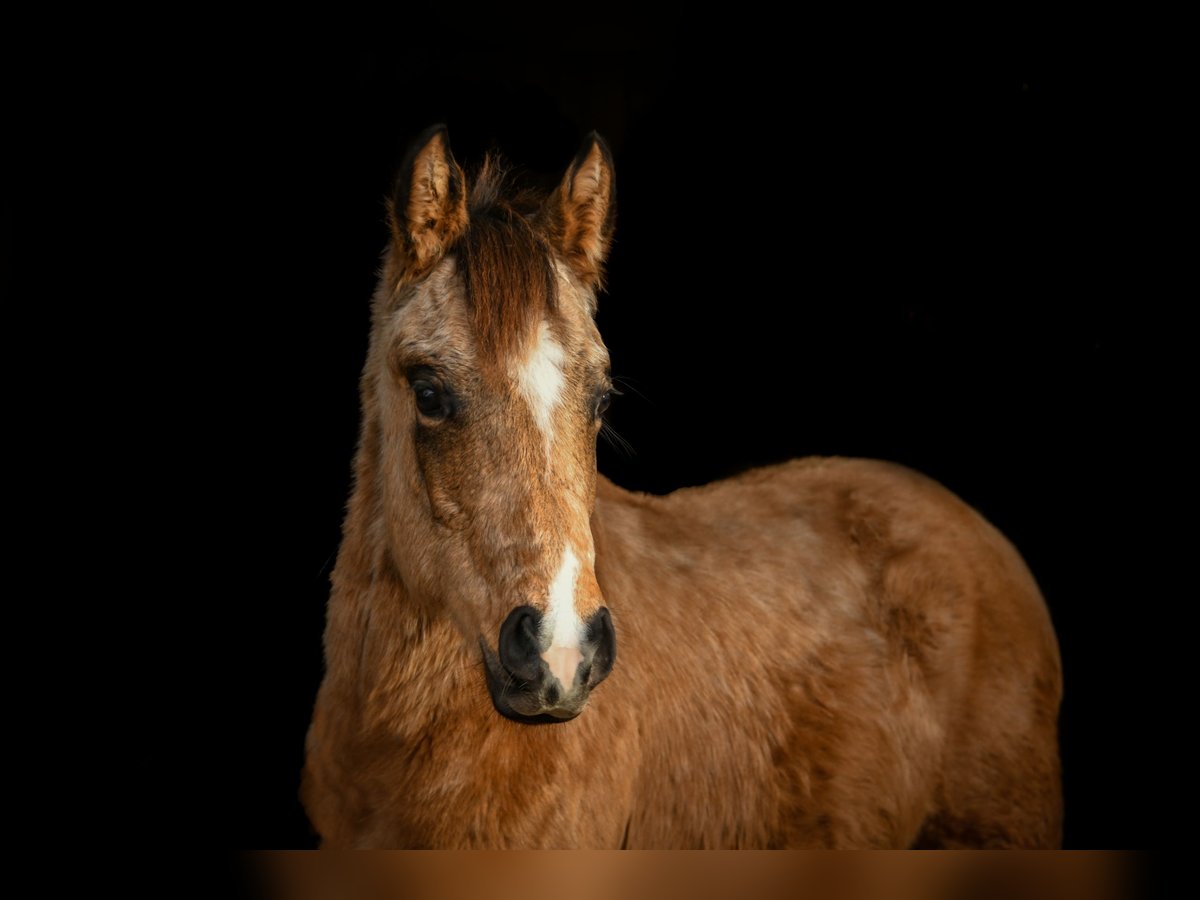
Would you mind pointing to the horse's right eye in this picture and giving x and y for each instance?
(431, 399)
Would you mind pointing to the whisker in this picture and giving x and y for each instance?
(325, 565)
(627, 382)
(615, 440)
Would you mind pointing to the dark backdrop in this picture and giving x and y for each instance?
(917, 254)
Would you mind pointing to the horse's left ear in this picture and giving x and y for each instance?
(582, 211)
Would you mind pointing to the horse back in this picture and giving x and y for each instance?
(875, 655)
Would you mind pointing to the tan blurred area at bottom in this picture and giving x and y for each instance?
(600, 875)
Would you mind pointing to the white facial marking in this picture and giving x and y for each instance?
(562, 624)
(561, 621)
(562, 627)
(563, 662)
(540, 380)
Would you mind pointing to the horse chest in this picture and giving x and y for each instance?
(498, 784)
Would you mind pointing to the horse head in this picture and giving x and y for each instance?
(486, 382)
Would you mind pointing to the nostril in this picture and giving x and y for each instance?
(519, 644)
(602, 636)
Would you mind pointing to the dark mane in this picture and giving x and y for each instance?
(505, 262)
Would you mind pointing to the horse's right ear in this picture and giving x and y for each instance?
(427, 211)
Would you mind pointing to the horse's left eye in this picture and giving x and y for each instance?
(603, 402)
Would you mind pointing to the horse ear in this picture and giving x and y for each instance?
(582, 211)
(428, 207)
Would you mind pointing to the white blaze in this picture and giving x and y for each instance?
(561, 623)
(540, 380)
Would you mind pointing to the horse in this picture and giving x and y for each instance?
(827, 652)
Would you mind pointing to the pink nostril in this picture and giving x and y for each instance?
(563, 661)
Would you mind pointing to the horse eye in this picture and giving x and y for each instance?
(604, 402)
(430, 399)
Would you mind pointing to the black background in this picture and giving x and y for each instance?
(922, 252)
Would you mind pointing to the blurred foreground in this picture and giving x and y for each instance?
(593, 875)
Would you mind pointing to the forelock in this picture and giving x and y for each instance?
(506, 265)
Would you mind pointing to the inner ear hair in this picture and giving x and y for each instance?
(581, 213)
(427, 210)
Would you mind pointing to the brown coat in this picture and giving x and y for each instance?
(824, 653)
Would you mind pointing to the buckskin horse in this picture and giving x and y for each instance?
(828, 652)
